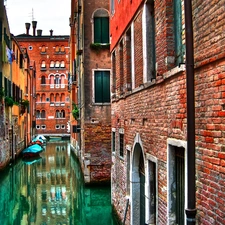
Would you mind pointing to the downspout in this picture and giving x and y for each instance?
(191, 198)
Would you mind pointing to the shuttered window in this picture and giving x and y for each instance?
(101, 29)
(102, 87)
(178, 32)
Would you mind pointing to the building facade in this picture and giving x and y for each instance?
(149, 111)
(16, 77)
(51, 55)
(90, 24)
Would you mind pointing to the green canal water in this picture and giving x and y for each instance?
(50, 190)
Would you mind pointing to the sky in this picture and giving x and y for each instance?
(49, 14)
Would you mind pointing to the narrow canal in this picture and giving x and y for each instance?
(50, 190)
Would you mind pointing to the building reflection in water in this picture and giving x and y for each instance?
(50, 190)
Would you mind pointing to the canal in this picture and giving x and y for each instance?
(50, 190)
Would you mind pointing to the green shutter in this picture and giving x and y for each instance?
(105, 30)
(102, 87)
(97, 30)
(106, 86)
(98, 87)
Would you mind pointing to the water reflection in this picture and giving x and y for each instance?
(50, 190)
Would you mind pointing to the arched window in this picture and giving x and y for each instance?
(43, 65)
(43, 114)
(57, 80)
(62, 49)
(57, 97)
(43, 98)
(62, 64)
(43, 48)
(63, 98)
(57, 64)
(57, 114)
(38, 98)
(52, 81)
(52, 64)
(43, 81)
(56, 48)
(63, 114)
(52, 99)
(101, 26)
(38, 114)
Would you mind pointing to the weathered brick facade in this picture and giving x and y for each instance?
(93, 144)
(152, 115)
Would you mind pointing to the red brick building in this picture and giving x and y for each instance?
(149, 111)
(51, 54)
(91, 77)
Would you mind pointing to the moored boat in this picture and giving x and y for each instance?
(32, 151)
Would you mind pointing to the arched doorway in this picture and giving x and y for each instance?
(138, 186)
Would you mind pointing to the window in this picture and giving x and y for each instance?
(38, 114)
(149, 41)
(179, 51)
(101, 26)
(43, 80)
(152, 192)
(52, 64)
(43, 114)
(43, 127)
(62, 49)
(102, 86)
(57, 114)
(62, 64)
(113, 141)
(176, 181)
(56, 48)
(63, 126)
(121, 139)
(43, 65)
(43, 49)
(57, 64)
(57, 127)
(37, 127)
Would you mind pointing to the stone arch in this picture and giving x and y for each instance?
(138, 160)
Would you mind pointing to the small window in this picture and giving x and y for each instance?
(47, 99)
(101, 27)
(43, 80)
(30, 48)
(102, 86)
(63, 126)
(56, 48)
(43, 65)
(43, 49)
(52, 64)
(62, 49)
(62, 65)
(57, 64)
(113, 141)
(43, 127)
(38, 127)
(121, 144)
(43, 114)
(57, 127)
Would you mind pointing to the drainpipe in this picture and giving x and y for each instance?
(191, 202)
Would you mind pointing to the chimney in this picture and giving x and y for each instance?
(39, 32)
(34, 24)
(51, 32)
(27, 28)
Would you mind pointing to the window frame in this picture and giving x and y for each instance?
(102, 76)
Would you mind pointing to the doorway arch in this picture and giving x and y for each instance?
(138, 184)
